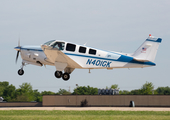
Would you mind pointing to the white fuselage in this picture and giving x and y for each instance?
(101, 60)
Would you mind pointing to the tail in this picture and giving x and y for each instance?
(147, 51)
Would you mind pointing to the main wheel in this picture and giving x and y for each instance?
(20, 72)
(66, 76)
(58, 74)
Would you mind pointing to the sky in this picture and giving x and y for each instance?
(120, 26)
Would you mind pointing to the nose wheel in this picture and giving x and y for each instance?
(20, 72)
(59, 74)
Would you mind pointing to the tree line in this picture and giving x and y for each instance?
(25, 92)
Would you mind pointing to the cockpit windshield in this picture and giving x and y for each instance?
(49, 42)
(58, 45)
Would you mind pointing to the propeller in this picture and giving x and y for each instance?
(17, 56)
(18, 49)
(19, 42)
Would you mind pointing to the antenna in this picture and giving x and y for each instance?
(85, 44)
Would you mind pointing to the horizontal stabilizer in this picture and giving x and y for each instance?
(140, 60)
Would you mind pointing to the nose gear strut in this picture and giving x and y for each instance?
(21, 71)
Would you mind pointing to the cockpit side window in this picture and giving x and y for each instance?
(49, 42)
(58, 45)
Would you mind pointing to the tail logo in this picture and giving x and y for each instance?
(143, 50)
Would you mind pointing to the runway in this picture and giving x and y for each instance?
(88, 108)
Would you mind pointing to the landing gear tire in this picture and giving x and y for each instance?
(20, 72)
(58, 74)
(66, 76)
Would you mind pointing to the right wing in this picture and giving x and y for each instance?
(60, 60)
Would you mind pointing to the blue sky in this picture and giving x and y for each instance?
(109, 25)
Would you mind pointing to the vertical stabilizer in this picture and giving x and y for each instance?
(147, 51)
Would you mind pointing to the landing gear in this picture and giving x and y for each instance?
(59, 74)
(20, 72)
(66, 76)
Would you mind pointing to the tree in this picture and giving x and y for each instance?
(37, 96)
(147, 88)
(47, 93)
(82, 90)
(115, 86)
(63, 92)
(124, 92)
(25, 93)
(107, 87)
(3, 85)
(9, 93)
(163, 90)
(135, 92)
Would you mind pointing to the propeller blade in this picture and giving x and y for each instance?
(19, 42)
(17, 56)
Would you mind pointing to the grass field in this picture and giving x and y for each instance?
(82, 115)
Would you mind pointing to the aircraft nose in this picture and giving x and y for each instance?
(17, 48)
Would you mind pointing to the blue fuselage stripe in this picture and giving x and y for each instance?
(123, 58)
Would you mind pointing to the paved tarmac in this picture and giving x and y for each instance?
(88, 108)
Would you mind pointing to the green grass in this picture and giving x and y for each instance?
(82, 115)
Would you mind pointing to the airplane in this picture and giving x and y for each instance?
(67, 56)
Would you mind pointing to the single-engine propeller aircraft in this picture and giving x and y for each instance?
(66, 56)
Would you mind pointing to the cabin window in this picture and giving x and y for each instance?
(71, 47)
(59, 45)
(82, 49)
(92, 51)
